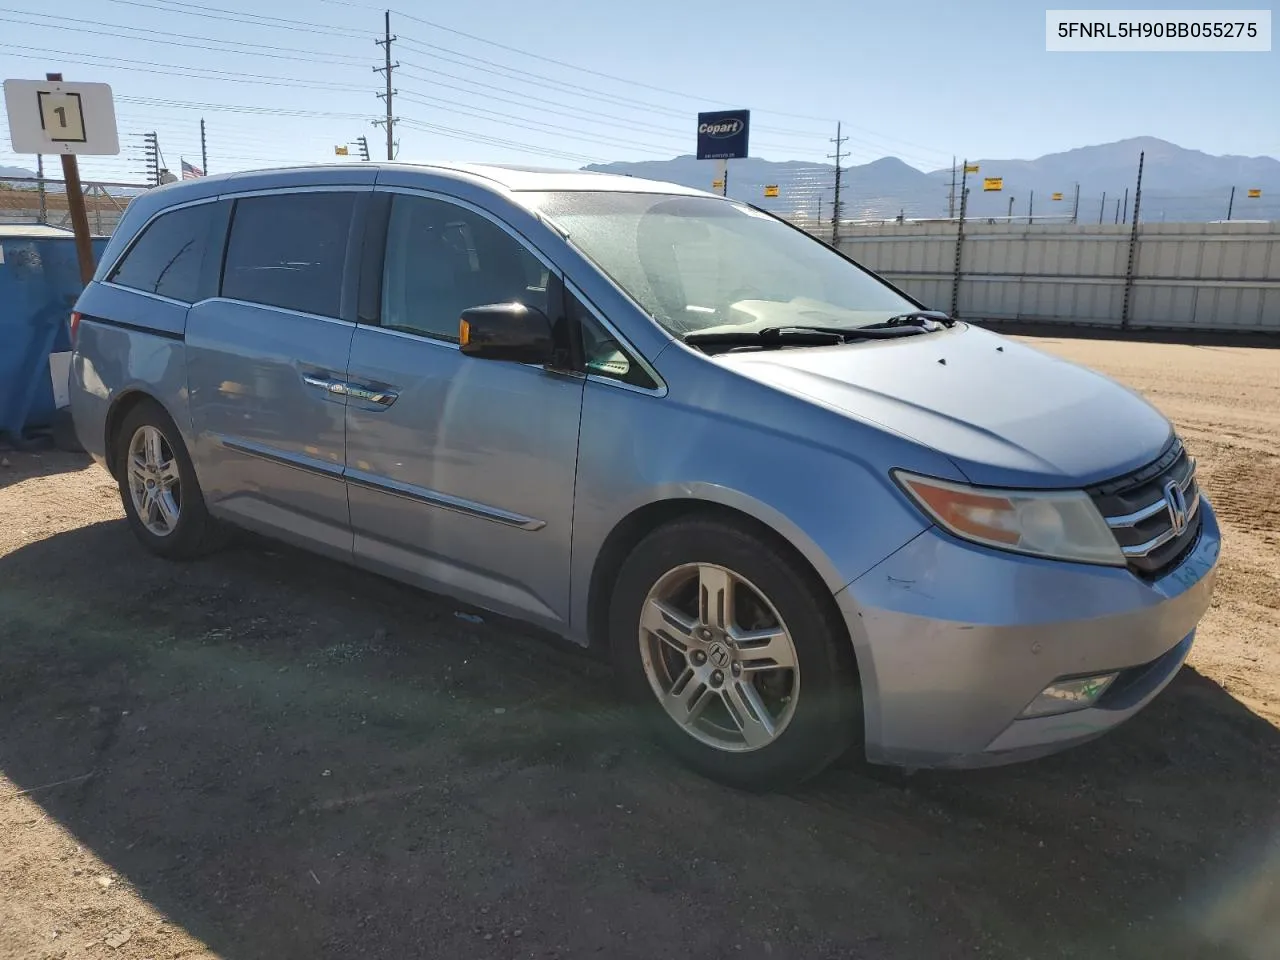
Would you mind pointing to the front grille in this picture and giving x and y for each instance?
(1138, 510)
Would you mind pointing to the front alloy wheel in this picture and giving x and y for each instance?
(719, 657)
(712, 623)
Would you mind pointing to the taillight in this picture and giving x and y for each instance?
(75, 326)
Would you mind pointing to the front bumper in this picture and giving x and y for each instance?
(954, 641)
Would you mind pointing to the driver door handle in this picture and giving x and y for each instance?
(379, 395)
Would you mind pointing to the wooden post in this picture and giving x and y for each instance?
(75, 205)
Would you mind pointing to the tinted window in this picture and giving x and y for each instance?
(289, 251)
(168, 256)
(442, 259)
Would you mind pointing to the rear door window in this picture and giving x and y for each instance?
(289, 250)
(167, 258)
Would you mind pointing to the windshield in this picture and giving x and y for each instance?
(698, 264)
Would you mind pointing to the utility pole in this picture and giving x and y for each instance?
(151, 152)
(951, 197)
(204, 153)
(1124, 215)
(836, 208)
(1230, 203)
(1075, 207)
(363, 143)
(1102, 209)
(387, 67)
(1117, 219)
(1031, 202)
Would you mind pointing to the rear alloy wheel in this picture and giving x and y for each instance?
(154, 481)
(158, 486)
(733, 650)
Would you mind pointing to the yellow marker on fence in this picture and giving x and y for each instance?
(1255, 194)
(341, 151)
(992, 183)
(970, 168)
(1056, 196)
(771, 190)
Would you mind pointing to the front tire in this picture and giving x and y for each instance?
(158, 486)
(734, 653)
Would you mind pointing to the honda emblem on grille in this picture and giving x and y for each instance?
(1176, 501)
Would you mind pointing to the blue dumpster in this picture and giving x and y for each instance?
(39, 283)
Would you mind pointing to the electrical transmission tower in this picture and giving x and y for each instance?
(386, 68)
(836, 207)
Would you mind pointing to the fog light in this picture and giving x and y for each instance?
(1063, 696)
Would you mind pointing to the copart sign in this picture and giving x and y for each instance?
(722, 135)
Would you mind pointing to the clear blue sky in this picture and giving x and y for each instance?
(920, 80)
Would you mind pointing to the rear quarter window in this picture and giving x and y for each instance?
(289, 250)
(167, 257)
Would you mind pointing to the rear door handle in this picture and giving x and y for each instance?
(324, 383)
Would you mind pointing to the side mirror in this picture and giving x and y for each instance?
(506, 331)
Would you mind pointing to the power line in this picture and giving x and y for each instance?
(544, 106)
(272, 51)
(456, 134)
(240, 108)
(930, 159)
(450, 56)
(238, 16)
(172, 69)
(624, 80)
(569, 133)
(571, 66)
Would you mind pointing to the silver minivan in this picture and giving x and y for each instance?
(800, 511)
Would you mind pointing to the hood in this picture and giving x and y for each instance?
(1004, 413)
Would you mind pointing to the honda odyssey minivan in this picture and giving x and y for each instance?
(799, 510)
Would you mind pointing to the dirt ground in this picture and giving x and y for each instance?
(267, 755)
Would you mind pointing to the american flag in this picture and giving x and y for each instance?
(190, 171)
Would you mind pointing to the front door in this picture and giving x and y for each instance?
(460, 471)
(265, 366)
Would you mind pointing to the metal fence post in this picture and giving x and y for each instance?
(955, 276)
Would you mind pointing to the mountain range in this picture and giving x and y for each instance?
(1177, 184)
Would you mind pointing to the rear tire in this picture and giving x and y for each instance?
(158, 486)
(733, 652)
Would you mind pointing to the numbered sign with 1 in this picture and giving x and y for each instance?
(56, 116)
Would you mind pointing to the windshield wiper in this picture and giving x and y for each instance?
(927, 319)
(802, 336)
(767, 336)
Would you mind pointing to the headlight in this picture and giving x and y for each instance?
(1059, 524)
